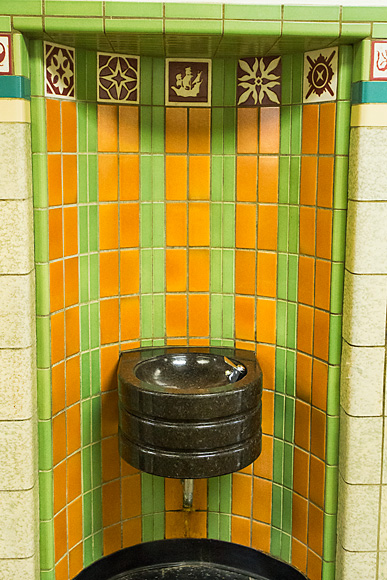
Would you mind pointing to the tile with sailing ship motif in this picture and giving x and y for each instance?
(188, 82)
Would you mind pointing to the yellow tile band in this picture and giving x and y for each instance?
(15, 111)
(369, 115)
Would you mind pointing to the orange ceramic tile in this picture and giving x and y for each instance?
(304, 377)
(268, 179)
(315, 535)
(248, 469)
(199, 270)
(176, 270)
(308, 182)
(131, 532)
(325, 182)
(129, 272)
(62, 569)
(74, 514)
(109, 364)
(299, 554)
(324, 234)
(129, 169)
(176, 315)
(267, 274)
(72, 380)
(267, 227)
(69, 126)
(108, 226)
(300, 518)
(262, 500)
(109, 320)
(60, 488)
(130, 318)
(267, 412)
(111, 508)
(110, 459)
(320, 384)
(173, 494)
(185, 524)
(72, 330)
(112, 539)
(53, 125)
(323, 284)
(176, 130)
(307, 230)
(246, 345)
(176, 177)
(318, 432)
(260, 537)
(57, 337)
(129, 225)
(76, 560)
(314, 566)
(242, 488)
(109, 413)
(246, 225)
(55, 233)
(131, 496)
(199, 177)
(302, 425)
(108, 177)
(176, 224)
(310, 129)
(244, 272)
(317, 481)
(108, 278)
(199, 130)
(263, 465)
(301, 472)
(321, 334)
(266, 320)
(71, 282)
(327, 128)
(58, 388)
(199, 315)
(70, 231)
(246, 182)
(240, 530)
(58, 438)
(245, 318)
(199, 224)
(199, 342)
(74, 477)
(269, 129)
(200, 495)
(107, 128)
(54, 179)
(247, 132)
(60, 535)
(128, 133)
(73, 428)
(56, 286)
(305, 329)
(306, 280)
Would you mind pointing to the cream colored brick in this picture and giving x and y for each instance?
(19, 569)
(352, 565)
(15, 166)
(18, 454)
(17, 383)
(18, 524)
(367, 164)
(17, 311)
(16, 237)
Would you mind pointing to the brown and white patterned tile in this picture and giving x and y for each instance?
(59, 70)
(320, 75)
(259, 81)
(188, 82)
(5, 54)
(379, 60)
(118, 78)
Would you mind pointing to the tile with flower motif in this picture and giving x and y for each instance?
(118, 78)
(59, 70)
(379, 60)
(259, 81)
(320, 75)
(5, 54)
(188, 82)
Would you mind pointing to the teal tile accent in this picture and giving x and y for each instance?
(75, 25)
(79, 8)
(256, 28)
(251, 12)
(340, 184)
(193, 27)
(369, 92)
(311, 29)
(134, 9)
(46, 545)
(311, 13)
(44, 393)
(42, 280)
(187, 10)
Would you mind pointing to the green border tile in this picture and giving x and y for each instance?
(43, 342)
(332, 450)
(335, 321)
(134, 9)
(379, 30)
(134, 26)
(361, 61)
(310, 13)
(333, 398)
(311, 29)
(45, 445)
(229, 177)
(196, 27)
(21, 60)
(42, 281)
(354, 30)
(343, 117)
(291, 373)
(43, 377)
(192, 10)
(29, 24)
(364, 13)
(337, 285)
(256, 28)
(276, 509)
(78, 8)
(280, 368)
(46, 495)
(338, 235)
(340, 186)
(216, 271)
(76, 25)
(251, 12)
(282, 276)
(26, 7)
(46, 545)
(38, 132)
(331, 489)
(329, 537)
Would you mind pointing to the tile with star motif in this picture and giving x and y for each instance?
(320, 75)
(118, 78)
(59, 70)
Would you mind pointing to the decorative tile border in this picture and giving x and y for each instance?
(188, 82)
(5, 55)
(369, 115)
(320, 75)
(378, 60)
(59, 70)
(118, 78)
(260, 83)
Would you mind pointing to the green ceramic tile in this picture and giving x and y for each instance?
(188, 10)
(229, 129)
(146, 271)
(159, 270)
(333, 398)
(158, 172)
(279, 415)
(98, 545)
(158, 493)
(95, 371)
(42, 281)
(217, 85)
(147, 528)
(288, 476)
(335, 321)
(216, 179)
(46, 545)
(282, 276)
(292, 325)
(145, 98)
(293, 278)
(228, 271)
(225, 491)
(44, 393)
(343, 117)
(338, 235)
(5, 24)
(82, 175)
(297, 78)
(216, 271)
(331, 483)
(190, 26)
(159, 315)
(230, 80)
(31, 25)
(286, 84)
(159, 342)
(87, 520)
(216, 224)
(146, 187)
(80, 73)
(75, 25)
(213, 495)
(146, 225)
(280, 367)
(25, 7)
(228, 225)
(275, 542)
(354, 30)
(47, 575)
(45, 445)
(340, 183)
(146, 493)
(289, 422)
(146, 316)
(67, 8)
(97, 506)
(283, 228)
(284, 176)
(311, 13)
(213, 526)
(83, 224)
(379, 30)
(361, 61)
(87, 551)
(158, 132)
(95, 423)
(345, 72)
(330, 537)
(86, 430)
(94, 325)
(252, 27)
(92, 167)
(276, 508)
(296, 129)
(91, 68)
(281, 323)
(134, 9)
(84, 327)
(286, 544)
(46, 495)
(228, 342)
(364, 14)
(229, 176)
(158, 527)
(293, 228)
(216, 316)
(285, 135)
(337, 284)
(158, 81)
(39, 180)
(217, 131)
(310, 29)
(328, 570)
(228, 317)
(85, 375)
(332, 450)
(291, 373)
(43, 350)
(41, 235)
(251, 12)
(38, 133)
(158, 224)
(21, 60)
